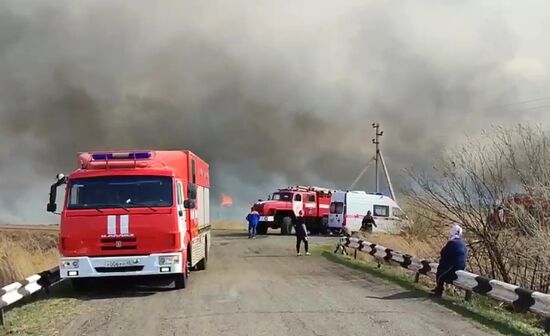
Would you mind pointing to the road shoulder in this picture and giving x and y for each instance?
(481, 311)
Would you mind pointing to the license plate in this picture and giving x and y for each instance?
(119, 263)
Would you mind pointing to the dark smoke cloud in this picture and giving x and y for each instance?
(269, 94)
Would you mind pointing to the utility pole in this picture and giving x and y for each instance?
(376, 141)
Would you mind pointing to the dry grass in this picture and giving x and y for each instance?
(228, 225)
(23, 253)
(421, 249)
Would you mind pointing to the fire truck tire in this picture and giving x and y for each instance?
(261, 229)
(324, 225)
(201, 265)
(286, 225)
(181, 280)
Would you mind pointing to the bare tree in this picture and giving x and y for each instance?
(505, 167)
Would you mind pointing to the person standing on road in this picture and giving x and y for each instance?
(253, 218)
(453, 258)
(301, 234)
(368, 222)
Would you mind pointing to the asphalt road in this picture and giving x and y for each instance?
(259, 287)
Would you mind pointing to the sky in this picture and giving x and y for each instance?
(269, 93)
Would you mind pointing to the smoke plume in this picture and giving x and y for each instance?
(269, 94)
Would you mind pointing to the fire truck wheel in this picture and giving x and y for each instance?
(261, 229)
(180, 281)
(324, 225)
(201, 265)
(286, 225)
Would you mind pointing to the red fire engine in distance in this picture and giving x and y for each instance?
(284, 205)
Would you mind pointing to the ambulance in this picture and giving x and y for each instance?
(347, 209)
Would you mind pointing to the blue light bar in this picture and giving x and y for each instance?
(142, 155)
(99, 156)
(122, 156)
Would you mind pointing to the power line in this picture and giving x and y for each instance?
(360, 174)
(519, 103)
(530, 108)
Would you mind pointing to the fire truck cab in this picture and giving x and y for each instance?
(134, 213)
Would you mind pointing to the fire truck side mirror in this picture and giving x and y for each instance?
(189, 204)
(60, 179)
(51, 207)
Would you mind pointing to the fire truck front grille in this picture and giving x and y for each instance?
(118, 269)
(115, 239)
(118, 243)
(116, 248)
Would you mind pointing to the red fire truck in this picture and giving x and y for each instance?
(282, 207)
(134, 213)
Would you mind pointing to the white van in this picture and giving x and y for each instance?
(347, 209)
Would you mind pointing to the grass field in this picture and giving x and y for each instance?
(406, 245)
(24, 252)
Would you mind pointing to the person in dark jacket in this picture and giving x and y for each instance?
(453, 258)
(253, 218)
(301, 234)
(368, 222)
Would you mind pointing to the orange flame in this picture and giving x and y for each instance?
(227, 201)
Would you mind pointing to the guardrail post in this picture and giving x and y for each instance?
(468, 295)
(547, 324)
(416, 277)
(355, 254)
(2, 318)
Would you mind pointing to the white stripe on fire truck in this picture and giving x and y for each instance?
(310, 205)
(324, 206)
(111, 225)
(124, 230)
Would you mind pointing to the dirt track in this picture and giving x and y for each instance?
(259, 287)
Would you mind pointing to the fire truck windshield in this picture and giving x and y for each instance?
(120, 192)
(287, 197)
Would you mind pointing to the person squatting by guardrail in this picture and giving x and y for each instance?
(453, 258)
(368, 222)
(301, 233)
(253, 218)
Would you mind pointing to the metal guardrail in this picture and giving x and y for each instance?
(16, 291)
(522, 299)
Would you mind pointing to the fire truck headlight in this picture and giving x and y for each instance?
(169, 260)
(70, 263)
